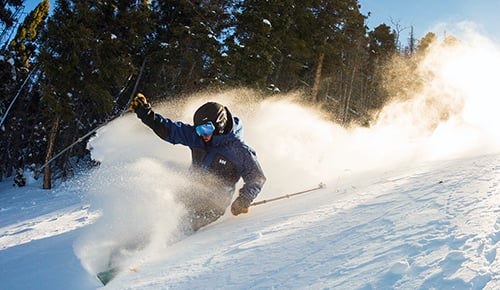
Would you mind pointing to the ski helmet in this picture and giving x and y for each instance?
(213, 112)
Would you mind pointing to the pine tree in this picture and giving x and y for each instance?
(338, 47)
(20, 133)
(381, 47)
(425, 43)
(88, 52)
(253, 42)
(187, 47)
(24, 43)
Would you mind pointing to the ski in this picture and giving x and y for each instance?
(108, 275)
(116, 260)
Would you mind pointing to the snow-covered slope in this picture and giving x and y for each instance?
(435, 225)
(412, 202)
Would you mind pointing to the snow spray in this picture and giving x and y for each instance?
(134, 193)
(453, 110)
(451, 113)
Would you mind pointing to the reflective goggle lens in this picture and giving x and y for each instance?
(205, 129)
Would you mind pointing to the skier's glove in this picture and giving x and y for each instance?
(240, 205)
(140, 105)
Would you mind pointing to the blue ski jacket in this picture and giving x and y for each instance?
(227, 156)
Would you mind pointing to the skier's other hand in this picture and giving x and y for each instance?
(140, 105)
(240, 205)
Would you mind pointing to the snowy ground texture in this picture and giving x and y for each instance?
(432, 226)
(411, 203)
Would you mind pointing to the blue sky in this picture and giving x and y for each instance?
(438, 16)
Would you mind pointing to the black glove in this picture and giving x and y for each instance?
(140, 105)
(240, 205)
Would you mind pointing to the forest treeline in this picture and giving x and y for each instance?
(68, 69)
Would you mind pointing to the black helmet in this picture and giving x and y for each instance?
(214, 112)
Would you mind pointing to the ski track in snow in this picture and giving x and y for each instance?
(37, 215)
(45, 226)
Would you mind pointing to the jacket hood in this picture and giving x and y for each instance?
(236, 133)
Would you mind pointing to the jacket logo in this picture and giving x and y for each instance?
(222, 161)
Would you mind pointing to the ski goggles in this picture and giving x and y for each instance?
(206, 129)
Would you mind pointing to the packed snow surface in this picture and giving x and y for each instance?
(413, 202)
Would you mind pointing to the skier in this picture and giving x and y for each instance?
(219, 159)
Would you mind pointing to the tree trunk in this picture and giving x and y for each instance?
(317, 77)
(277, 73)
(348, 96)
(47, 184)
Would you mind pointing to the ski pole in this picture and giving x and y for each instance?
(319, 186)
(80, 139)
